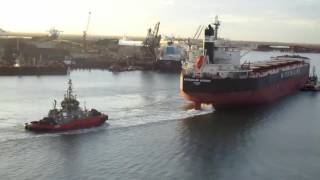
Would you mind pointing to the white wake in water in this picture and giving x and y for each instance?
(159, 116)
(124, 118)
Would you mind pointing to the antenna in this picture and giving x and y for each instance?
(69, 91)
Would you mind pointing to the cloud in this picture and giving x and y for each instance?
(269, 20)
(229, 18)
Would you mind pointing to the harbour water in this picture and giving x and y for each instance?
(153, 133)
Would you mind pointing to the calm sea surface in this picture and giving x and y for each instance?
(153, 133)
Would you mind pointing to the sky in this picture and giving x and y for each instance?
(258, 20)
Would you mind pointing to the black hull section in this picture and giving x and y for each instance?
(169, 66)
(230, 93)
(228, 85)
(32, 71)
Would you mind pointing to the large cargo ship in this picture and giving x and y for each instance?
(217, 77)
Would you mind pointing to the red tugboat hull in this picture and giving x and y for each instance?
(73, 125)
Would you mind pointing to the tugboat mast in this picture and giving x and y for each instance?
(69, 91)
(314, 73)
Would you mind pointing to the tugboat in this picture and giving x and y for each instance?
(69, 117)
(312, 84)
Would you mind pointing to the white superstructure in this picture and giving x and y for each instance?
(171, 52)
(218, 56)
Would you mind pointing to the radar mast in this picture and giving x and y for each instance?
(216, 27)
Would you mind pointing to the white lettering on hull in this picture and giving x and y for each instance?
(198, 80)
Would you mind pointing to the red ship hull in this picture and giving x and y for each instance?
(235, 99)
(76, 124)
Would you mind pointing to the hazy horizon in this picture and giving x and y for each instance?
(296, 21)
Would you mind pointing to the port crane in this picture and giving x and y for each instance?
(85, 32)
(152, 41)
(155, 34)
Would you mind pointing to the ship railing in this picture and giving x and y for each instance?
(227, 67)
(219, 74)
(189, 69)
(272, 68)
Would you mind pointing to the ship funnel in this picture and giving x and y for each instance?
(209, 43)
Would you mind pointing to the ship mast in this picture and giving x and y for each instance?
(216, 25)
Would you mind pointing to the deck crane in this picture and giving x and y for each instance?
(196, 36)
(198, 32)
(85, 32)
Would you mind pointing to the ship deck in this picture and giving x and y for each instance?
(272, 64)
